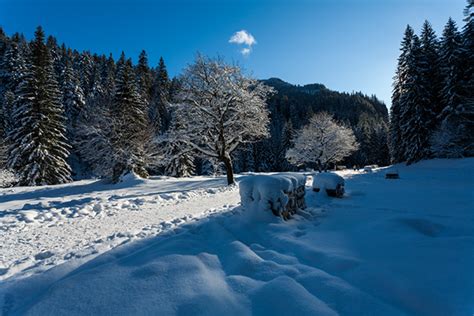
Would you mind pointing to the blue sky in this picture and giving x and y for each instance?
(348, 45)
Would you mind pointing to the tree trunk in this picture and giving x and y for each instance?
(228, 168)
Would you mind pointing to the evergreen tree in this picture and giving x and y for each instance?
(144, 77)
(56, 58)
(415, 106)
(451, 69)
(12, 68)
(130, 130)
(5, 126)
(397, 148)
(181, 163)
(7, 113)
(73, 96)
(458, 112)
(431, 73)
(161, 95)
(468, 51)
(38, 149)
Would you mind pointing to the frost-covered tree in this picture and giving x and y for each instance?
(73, 96)
(5, 126)
(457, 115)
(144, 77)
(220, 108)
(38, 146)
(160, 98)
(179, 161)
(468, 49)
(130, 132)
(322, 141)
(12, 68)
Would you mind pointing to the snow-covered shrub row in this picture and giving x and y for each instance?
(282, 194)
(332, 183)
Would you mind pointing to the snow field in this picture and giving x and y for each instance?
(86, 218)
(388, 247)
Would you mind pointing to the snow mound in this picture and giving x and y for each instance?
(279, 193)
(327, 181)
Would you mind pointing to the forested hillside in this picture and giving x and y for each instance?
(292, 107)
(101, 115)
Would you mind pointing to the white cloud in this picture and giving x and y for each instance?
(243, 38)
(245, 51)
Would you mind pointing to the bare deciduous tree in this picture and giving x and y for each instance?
(322, 141)
(219, 108)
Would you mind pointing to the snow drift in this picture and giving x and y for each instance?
(402, 247)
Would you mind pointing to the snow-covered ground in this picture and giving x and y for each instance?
(389, 247)
(44, 226)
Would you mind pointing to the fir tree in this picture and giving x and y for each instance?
(38, 149)
(161, 95)
(144, 77)
(73, 96)
(468, 49)
(415, 106)
(181, 162)
(12, 68)
(451, 69)
(431, 73)
(396, 145)
(7, 113)
(458, 113)
(130, 130)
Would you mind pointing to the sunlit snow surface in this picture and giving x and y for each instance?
(389, 247)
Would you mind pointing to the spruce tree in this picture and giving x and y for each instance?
(130, 125)
(12, 68)
(158, 112)
(397, 148)
(454, 137)
(451, 70)
(431, 73)
(38, 148)
(181, 163)
(7, 113)
(144, 77)
(468, 49)
(73, 96)
(415, 110)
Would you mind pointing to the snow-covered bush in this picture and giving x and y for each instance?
(282, 194)
(331, 182)
(7, 178)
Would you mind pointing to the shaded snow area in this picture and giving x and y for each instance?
(388, 247)
(41, 227)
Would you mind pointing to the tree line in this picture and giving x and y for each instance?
(432, 113)
(67, 114)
